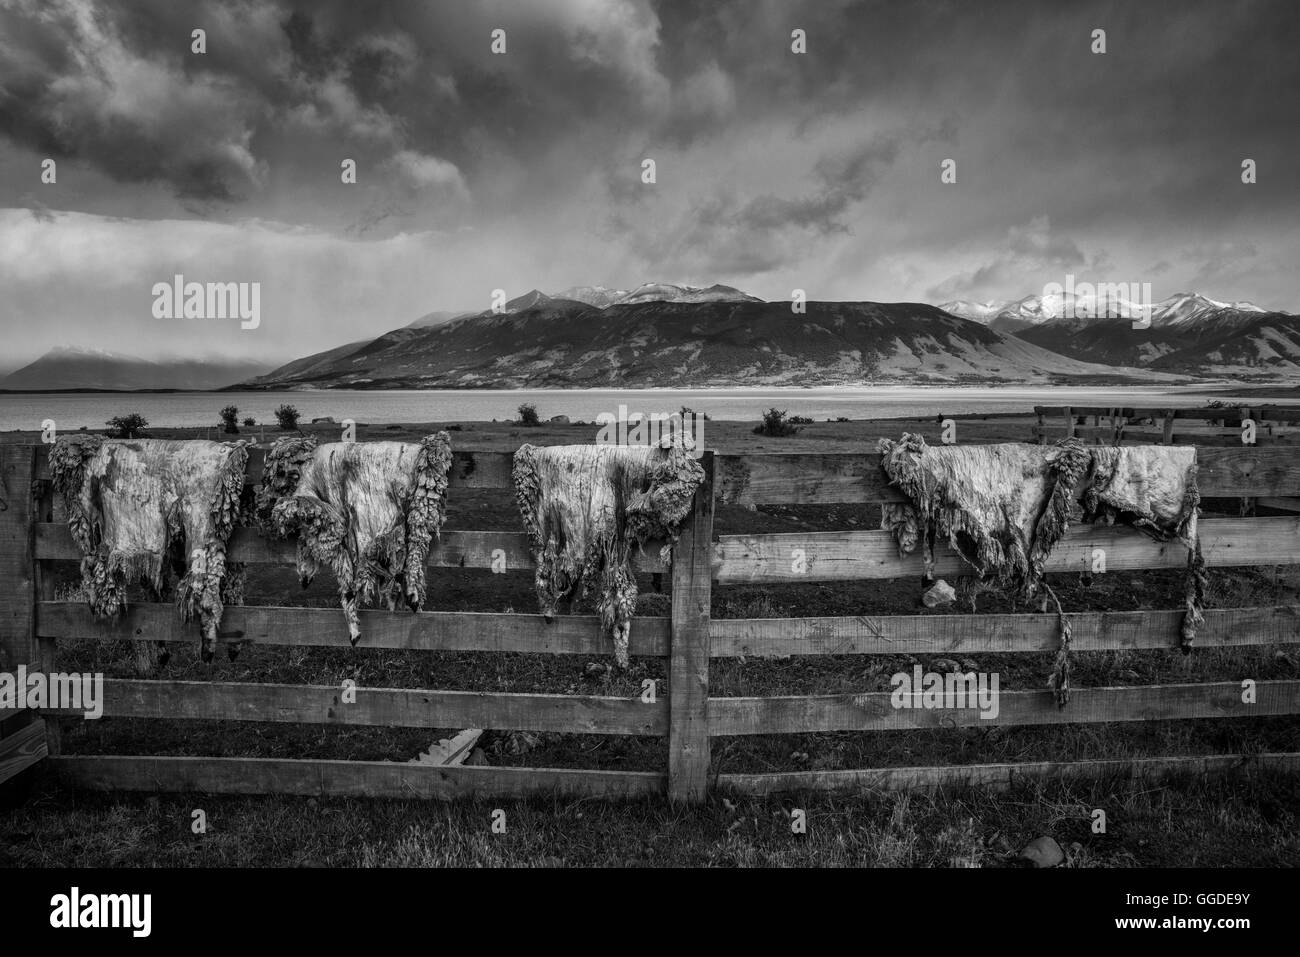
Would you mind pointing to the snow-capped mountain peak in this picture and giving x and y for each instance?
(1185, 307)
(1178, 309)
(603, 296)
(671, 292)
(598, 296)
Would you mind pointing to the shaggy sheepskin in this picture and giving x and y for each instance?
(1153, 487)
(1003, 508)
(367, 511)
(136, 507)
(585, 507)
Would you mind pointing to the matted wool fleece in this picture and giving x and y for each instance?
(139, 508)
(1003, 508)
(586, 506)
(368, 511)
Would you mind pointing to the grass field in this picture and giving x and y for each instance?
(1237, 820)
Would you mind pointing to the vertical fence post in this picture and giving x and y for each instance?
(21, 745)
(45, 649)
(688, 667)
(17, 557)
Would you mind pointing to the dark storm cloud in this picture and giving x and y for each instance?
(818, 170)
(1188, 83)
(738, 236)
(843, 181)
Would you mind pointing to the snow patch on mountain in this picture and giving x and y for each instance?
(670, 292)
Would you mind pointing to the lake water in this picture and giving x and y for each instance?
(73, 410)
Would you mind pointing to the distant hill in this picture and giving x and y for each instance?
(727, 342)
(70, 368)
(1218, 342)
(1186, 333)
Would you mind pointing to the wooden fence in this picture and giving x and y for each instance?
(1213, 426)
(32, 623)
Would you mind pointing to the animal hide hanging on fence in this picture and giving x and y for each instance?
(1153, 487)
(137, 507)
(585, 507)
(1003, 508)
(368, 511)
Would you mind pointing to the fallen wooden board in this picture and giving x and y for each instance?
(22, 749)
(449, 752)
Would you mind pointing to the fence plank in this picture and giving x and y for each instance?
(1000, 777)
(383, 707)
(997, 634)
(1271, 540)
(688, 669)
(453, 549)
(361, 779)
(833, 556)
(468, 469)
(380, 628)
(873, 711)
(1267, 413)
(845, 478)
(802, 478)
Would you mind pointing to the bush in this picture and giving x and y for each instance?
(286, 416)
(800, 420)
(129, 426)
(230, 420)
(870, 366)
(528, 414)
(250, 422)
(775, 425)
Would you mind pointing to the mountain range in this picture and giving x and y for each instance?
(1185, 333)
(69, 368)
(664, 334)
(1017, 315)
(699, 338)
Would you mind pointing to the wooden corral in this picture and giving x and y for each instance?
(1211, 426)
(33, 623)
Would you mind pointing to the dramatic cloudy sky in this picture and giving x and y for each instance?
(775, 170)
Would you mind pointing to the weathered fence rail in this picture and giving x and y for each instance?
(33, 623)
(1213, 425)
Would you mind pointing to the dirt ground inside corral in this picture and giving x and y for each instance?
(942, 829)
